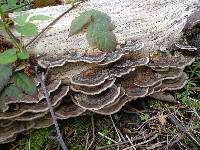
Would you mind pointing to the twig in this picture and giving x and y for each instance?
(7, 30)
(54, 119)
(108, 138)
(182, 128)
(130, 142)
(52, 23)
(120, 140)
(151, 139)
(11, 10)
(93, 134)
(125, 142)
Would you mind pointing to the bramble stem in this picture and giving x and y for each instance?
(54, 119)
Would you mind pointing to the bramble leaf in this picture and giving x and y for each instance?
(23, 54)
(99, 32)
(39, 17)
(25, 83)
(29, 29)
(20, 20)
(8, 56)
(12, 92)
(102, 39)
(5, 74)
(79, 23)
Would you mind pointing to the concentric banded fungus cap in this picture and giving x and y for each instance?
(175, 84)
(95, 102)
(132, 90)
(111, 57)
(151, 89)
(114, 107)
(132, 62)
(166, 60)
(192, 21)
(29, 116)
(90, 77)
(147, 77)
(94, 90)
(35, 108)
(70, 56)
(43, 122)
(132, 46)
(6, 123)
(68, 109)
(163, 96)
(9, 133)
(54, 85)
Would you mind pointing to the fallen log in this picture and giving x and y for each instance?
(79, 80)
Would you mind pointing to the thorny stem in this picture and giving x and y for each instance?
(52, 23)
(54, 119)
(5, 27)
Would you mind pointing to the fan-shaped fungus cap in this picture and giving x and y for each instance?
(95, 102)
(163, 97)
(68, 109)
(90, 77)
(111, 57)
(132, 46)
(147, 77)
(43, 122)
(133, 62)
(9, 133)
(35, 108)
(74, 56)
(177, 61)
(192, 20)
(54, 85)
(175, 84)
(5, 123)
(29, 116)
(114, 107)
(94, 90)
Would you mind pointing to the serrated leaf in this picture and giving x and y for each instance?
(8, 56)
(23, 54)
(39, 17)
(102, 39)
(25, 83)
(29, 29)
(10, 92)
(5, 74)
(79, 23)
(102, 19)
(21, 20)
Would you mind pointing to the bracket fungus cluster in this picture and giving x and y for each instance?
(79, 81)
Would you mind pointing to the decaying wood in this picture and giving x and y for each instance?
(103, 82)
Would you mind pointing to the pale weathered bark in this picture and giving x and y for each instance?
(157, 23)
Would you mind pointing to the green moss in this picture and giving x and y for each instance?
(36, 141)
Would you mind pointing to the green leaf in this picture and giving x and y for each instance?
(25, 83)
(79, 23)
(29, 29)
(23, 54)
(102, 19)
(102, 39)
(11, 92)
(39, 17)
(9, 56)
(21, 20)
(5, 74)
